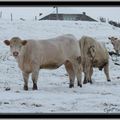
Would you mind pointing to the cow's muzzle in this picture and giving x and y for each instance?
(15, 54)
(100, 68)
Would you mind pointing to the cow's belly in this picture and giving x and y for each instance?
(99, 65)
(50, 66)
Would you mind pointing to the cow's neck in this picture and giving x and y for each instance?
(20, 61)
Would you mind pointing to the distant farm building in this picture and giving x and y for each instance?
(68, 16)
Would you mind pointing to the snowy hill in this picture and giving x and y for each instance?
(53, 94)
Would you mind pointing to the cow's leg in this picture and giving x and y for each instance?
(70, 71)
(106, 71)
(85, 80)
(117, 51)
(25, 77)
(91, 72)
(79, 76)
(87, 75)
(35, 74)
(77, 67)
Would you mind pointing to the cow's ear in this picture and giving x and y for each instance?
(115, 38)
(24, 42)
(7, 42)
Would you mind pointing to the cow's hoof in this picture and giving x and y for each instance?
(85, 82)
(35, 87)
(71, 86)
(80, 85)
(91, 82)
(109, 80)
(25, 87)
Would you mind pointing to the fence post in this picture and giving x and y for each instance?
(11, 17)
(35, 18)
(1, 14)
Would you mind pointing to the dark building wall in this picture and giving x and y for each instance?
(52, 17)
(69, 16)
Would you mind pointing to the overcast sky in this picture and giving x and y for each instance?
(112, 13)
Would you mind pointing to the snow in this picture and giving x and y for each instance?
(53, 94)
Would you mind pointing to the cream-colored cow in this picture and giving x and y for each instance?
(116, 44)
(33, 55)
(93, 54)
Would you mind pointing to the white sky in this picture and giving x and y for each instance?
(112, 13)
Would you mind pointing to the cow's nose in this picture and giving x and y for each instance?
(15, 54)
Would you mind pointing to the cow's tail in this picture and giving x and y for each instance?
(82, 46)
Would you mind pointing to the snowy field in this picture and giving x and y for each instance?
(53, 94)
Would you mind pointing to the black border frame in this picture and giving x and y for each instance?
(64, 4)
(59, 3)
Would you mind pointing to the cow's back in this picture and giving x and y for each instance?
(53, 51)
(69, 44)
(66, 44)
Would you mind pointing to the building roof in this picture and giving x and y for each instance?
(66, 11)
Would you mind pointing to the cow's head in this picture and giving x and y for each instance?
(15, 45)
(115, 44)
(112, 39)
(91, 52)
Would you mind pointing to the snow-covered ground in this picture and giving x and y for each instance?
(54, 94)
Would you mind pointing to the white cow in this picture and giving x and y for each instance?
(116, 44)
(33, 55)
(93, 54)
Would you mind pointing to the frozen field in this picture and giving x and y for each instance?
(53, 94)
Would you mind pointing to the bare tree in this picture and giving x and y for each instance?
(35, 18)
